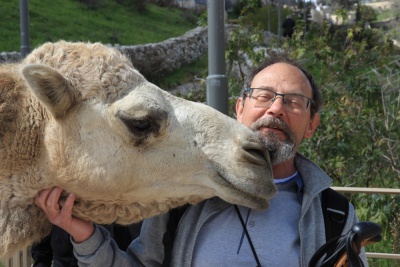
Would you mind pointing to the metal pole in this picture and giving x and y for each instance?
(279, 20)
(269, 17)
(217, 82)
(305, 15)
(24, 25)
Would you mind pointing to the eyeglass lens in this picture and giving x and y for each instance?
(292, 102)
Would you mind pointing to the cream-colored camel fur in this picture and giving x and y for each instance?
(79, 116)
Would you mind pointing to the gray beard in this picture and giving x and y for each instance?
(279, 151)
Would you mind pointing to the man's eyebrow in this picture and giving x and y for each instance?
(265, 87)
(294, 92)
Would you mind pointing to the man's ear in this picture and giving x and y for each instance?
(239, 109)
(312, 126)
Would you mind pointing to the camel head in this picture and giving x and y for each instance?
(81, 117)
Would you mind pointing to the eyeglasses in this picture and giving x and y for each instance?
(265, 98)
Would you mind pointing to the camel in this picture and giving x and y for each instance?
(79, 116)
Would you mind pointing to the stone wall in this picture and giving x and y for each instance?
(9, 57)
(155, 59)
(393, 23)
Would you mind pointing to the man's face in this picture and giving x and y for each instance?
(279, 128)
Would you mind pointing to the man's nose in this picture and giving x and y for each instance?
(277, 107)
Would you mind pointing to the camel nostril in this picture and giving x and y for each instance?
(256, 153)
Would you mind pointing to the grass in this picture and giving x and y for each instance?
(196, 69)
(51, 20)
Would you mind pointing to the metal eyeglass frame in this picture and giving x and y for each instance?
(250, 92)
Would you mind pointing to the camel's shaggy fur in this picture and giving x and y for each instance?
(79, 116)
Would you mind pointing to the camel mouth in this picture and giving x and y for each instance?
(255, 153)
(237, 191)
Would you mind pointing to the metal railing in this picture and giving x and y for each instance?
(365, 190)
(23, 257)
(20, 259)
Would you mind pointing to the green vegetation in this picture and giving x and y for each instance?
(110, 22)
(192, 71)
(267, 17)
(388, 14)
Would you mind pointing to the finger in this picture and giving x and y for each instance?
(69, 204)
(63, 217)
(54, 197)
(42, 197)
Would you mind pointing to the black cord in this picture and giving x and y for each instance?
(248, 236)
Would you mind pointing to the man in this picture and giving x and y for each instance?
(288, 26)
(281, 102)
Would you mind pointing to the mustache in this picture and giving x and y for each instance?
(279, 150)
(272, 122)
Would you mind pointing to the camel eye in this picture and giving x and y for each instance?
(138, 125)
(144, 126)
(141, 126)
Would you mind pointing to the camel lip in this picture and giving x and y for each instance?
(238, 194)
(246, 199)
(256, 203)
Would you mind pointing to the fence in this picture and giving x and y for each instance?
(20, 259)
(23, 258)
(372, 191)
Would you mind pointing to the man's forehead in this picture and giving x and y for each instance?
(282, 70)
(281, 76)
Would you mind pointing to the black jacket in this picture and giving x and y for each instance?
(57, 247)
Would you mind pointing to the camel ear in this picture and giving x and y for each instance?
(51, 88)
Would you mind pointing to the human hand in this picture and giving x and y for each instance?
(48, 199)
